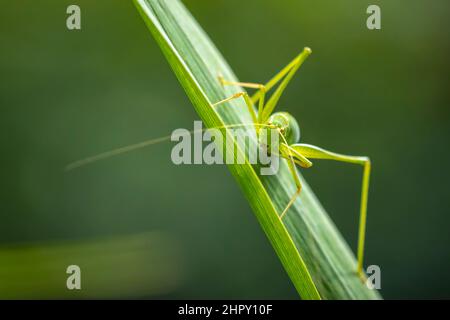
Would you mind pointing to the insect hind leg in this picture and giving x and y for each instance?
(313, 152)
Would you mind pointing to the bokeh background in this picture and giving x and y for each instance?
(147, 228)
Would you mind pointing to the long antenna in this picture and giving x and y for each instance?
(139, 145)
(114, 152)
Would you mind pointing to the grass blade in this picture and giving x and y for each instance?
(312, 251)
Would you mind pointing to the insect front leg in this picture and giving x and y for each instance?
(262, 91)
(247, 102)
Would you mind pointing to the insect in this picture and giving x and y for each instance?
(289, 132)
(298, 153)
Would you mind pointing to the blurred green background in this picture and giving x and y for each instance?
(65, 95)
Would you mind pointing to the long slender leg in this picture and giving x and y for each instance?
(298, 184)
(247, 102)
(275, 79)
(286, 74)
(313, 152)
(287, 153)
(261, 87)
(271, 104)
